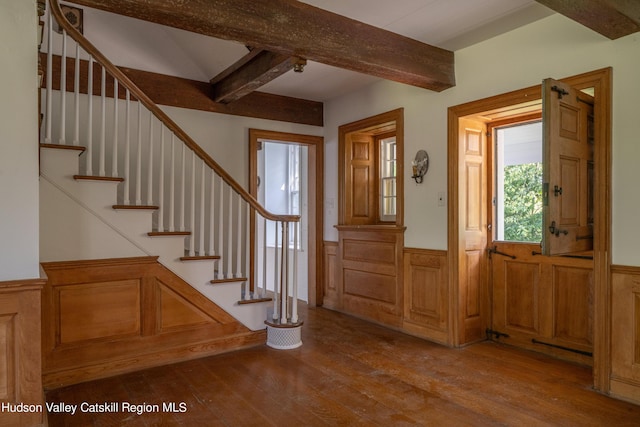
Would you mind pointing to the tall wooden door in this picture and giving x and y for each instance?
(568, 145)
(473, 230)
(542, 299)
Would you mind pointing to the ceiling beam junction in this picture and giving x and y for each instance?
(293, 28)
(255, 69)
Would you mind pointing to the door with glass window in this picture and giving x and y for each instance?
(539, 302)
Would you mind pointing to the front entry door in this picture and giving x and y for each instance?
(541, 301)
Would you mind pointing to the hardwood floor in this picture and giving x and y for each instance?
(351, 372)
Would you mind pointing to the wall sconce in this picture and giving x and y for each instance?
(420, 166)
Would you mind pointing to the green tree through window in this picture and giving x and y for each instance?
(523, 202)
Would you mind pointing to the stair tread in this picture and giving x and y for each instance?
(199, 257)
(136, 207)
(229, 280)
(98, 178)
(255, 300)
(63, 147)
(169, 233)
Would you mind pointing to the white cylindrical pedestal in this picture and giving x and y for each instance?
(284, 338)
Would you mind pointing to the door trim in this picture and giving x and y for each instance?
(316, 198)
(601, 81)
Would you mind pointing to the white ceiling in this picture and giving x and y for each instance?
(451, 24)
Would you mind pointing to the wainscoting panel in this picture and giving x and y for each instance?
(426, 294)
(105, 317)
(331, 293)
(370, 272)
(625, 334)
(20, 357)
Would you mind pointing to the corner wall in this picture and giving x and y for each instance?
(18, 141)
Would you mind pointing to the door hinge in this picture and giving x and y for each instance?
(491, 334)
(561, 92)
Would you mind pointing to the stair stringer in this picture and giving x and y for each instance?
(96, 199)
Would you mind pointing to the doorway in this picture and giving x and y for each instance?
(472, 240)
(285, 175)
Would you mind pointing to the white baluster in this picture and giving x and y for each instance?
(239, 239)
(63, 90)
(276, 281)
(182, 183)
(212, 251)
(150, 163)
(47, 135)
(220, 228)
(89, 152)
(264, 257)
(192, 225)
(247, 248)
(103, 121)
(294, 308)
(76, 96)
(284, 292)
(172, 185)
(114, 159)
(230, 239)
(201, 250)
(139, 158)
(127, 147)
(161, 182)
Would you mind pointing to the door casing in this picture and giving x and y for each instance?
(315, 145)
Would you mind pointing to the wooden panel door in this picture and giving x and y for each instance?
(542, 303)
(568, 146)
(360, 197)
(473, 229)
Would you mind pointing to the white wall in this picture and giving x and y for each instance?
(18, 141)
(226, 138)
(552, 47)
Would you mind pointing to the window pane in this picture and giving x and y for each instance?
(519, 183)
(388, 179)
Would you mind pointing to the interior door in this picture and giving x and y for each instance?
(568, 146)
(473, 230)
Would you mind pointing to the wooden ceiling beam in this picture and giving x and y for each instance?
(611, 18)
(294, 28)
(252, 71)
(193, 94)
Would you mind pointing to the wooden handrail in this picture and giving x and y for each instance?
(153, 108)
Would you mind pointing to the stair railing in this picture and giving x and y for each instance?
(130, 139)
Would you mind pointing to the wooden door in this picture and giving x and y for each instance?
(473, 230)
(540, 299)
(542, 303)
(360, 196)
(568, 146)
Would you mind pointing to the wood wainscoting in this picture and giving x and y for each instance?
(106, 317)
(625, 333)
(404, 288)
(20, 358)
(426, 294)
(369, 272)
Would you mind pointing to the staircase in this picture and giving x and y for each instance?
(120, 179)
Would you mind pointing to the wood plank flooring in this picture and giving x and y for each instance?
(351, 372)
